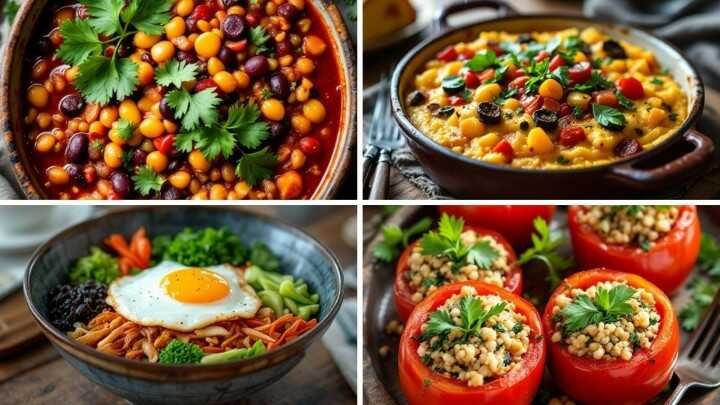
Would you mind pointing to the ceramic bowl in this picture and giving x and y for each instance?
(148, 383)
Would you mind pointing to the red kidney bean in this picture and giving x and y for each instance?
(627, 147)
(139, 157)
(290, 12)
(121, 183)
(257, 66)
(310, 145)
(72, 105)
(228, 58)
(76, 150)
(280, 86)
(234, 27)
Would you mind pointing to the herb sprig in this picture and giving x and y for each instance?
(447, 242)
(472, 316)
(704, 286)
(396, 238)
(609, 305)
(545, 249)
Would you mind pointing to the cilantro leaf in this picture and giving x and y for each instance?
(79, 42)
(446, 242)
(383, 251)
(257, 166)
(439, 323)
(451, 227)
(125, 129)
(149, 17)
(244, 122)
(624, 101)
(580, 313)
(101, 79)
(472, 315)
(175, 73)
(482, 254)
(105, 15)
(396, 238)
(10, 10)
(215, 141)
(432, 244)
(471, 311)
(703, 293)
(656, 81)
(608, 117)
(393, 234)
(544, 249)
(147, 181)
(596, 82)
(482, 60)
(613, 302)
(709, 257)
(609, 305)
(194, 109)
(259, 38)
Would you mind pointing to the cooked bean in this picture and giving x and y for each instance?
(280, 86)
(234, 27)
(77, 176)
(121, 183)
(257, 66)
(77, 148)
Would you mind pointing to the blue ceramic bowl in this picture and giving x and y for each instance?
(143, 382)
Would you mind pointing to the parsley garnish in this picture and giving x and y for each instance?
(147, 181)
(703, 287)
(102, 78)
(257, 166)
(446, 242)
(483, 60)
(544, 249)
(596, 82)
(656, 81)
(395, 239)
(259, 38)
(175, 73)
(10, 11)
(194, 109)
(608, 117)
(125, 129)
(472, 316)
(608, 306)
(624, 101)
(578, 112)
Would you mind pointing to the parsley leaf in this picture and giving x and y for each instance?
(656, 81)
(79, 42)
(609, 305)
(149, 17)
(175, 73)
(709, 257)
(214, 141)
(104, 15)
(395, 239)
(10, 11)
(596, 82)
(446, 242)
(624, 101)
(482, 254)
(101, 79)
(244, 121)
(608, 117)
(472, 315)
(147, 181)
(482, 60)
(257, 166)
(703, 293)
(545, 246)
(125, 129)
(439, 323)
(259, 38)
(194, 109)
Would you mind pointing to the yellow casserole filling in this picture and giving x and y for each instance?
(649, 121)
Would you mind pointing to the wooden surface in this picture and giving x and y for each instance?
(380, 385)
(37, 375)
(381, 63)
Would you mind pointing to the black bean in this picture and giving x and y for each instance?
(172, 194)
(187, 57)
(228, 58)
(614, 50)
(546, 119)
(72, 105)
(77, 176)
(416, 98)
(280, 86)
(290, 12)
(279, 129)
(627, 147)
(166, 111)
(122, 185)
(230, 3)
(489, 113)
(257, 66)
(175, 165)
(139, 158)
(524, 125)
(76, 150)
(234, 27)
(283, 48)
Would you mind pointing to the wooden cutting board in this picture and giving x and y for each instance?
(17, 326)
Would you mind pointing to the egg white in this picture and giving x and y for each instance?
(141, 299)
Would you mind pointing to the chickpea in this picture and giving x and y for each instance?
(152, 127)
(129, 111)
(242, 189)
(38, 96)
(314, 45)
(145, 41)
(146, 73)
(45, 143)
(273, 109)
(43, 120)
(202, 195)
(175, 28)
(58, 176)
(163, 51)
(170, 127)
(108, 116)
(208, 44)
(552, 89)
(215, 66)
(228, 173)
(198, 162)
(113, 155)
(242, 78)
(180, 179)
(290, 185)
(314, 110)
(96, 127)
(305, 65)
(297, 159)
(72, 73)
(184, 8)
(301, 124)
(157, 161)
(218, 192)
(225, 81)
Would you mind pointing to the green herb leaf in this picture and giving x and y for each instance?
(395, 239)
(147, 181)
(194, 109)
(98, 266)
(702, 293)
(482, 254)
(709, 258)
(79, 42)
(580, 313)
(259, 38)
(10, 11)
(149, 17)
(104, 15)
(656, 81)
(440, 323)
(545, 249)
(608, 117)
(385, 252)
(596, 82)
(244, 122)
(482, 60)
(125, 129)
(214, 141)
(100, 79)
(608, 306)
(624, 101)
(175, 73)
(257, 166)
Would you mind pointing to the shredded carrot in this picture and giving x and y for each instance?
(258, 335)
(118, 243)
(278, 322)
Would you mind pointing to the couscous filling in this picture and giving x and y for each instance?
(474, 338)
(428, 273)
(640, 225)
(607, 321)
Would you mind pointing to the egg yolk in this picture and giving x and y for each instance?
(195, 286)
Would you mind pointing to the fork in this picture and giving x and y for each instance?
(384, 135)
(699, 360)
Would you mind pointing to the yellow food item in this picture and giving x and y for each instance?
(383, 17)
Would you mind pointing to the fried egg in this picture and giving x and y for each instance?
(183, 298)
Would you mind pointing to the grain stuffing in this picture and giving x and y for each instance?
(428, 273)
(625, 320)
(474, 338)
(640, 225)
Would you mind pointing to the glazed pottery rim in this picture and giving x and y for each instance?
(102, 358)
(332, 179)
(416, 135)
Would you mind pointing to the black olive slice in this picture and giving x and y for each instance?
(546, 119)
(453, 84)
(489, 113)
(627, 147)
(416, 98)
(444, 112)
(614, 50)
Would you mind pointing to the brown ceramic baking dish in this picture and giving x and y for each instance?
(677, 159)
(12, 95)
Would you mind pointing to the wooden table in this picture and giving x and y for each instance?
(706, 186)
(37, 375)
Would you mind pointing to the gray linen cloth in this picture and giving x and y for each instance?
(692, 25)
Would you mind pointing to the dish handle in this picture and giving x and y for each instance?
(654, 178)
(441, 18)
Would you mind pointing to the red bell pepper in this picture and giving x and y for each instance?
(403, 291)
(616, 382)
(423, 386)
(668, 263)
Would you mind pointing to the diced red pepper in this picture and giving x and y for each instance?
(237, 46)
(203, 12)
(565, 110)
(513, 73)
(556, 62)
(506, 149)
(165, 144)
(486, 75)
(448, 54)
(631, 88)
(456, 101)
(471, 80)
(466, 55)
(571, 136)
(532, 104)
(551, 104)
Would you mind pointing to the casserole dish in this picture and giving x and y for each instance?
(676, 159)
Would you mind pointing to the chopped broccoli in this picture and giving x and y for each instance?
(98, 266)
(179, 352)
(205, 247)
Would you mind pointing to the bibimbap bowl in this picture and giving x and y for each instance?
(142, 382)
